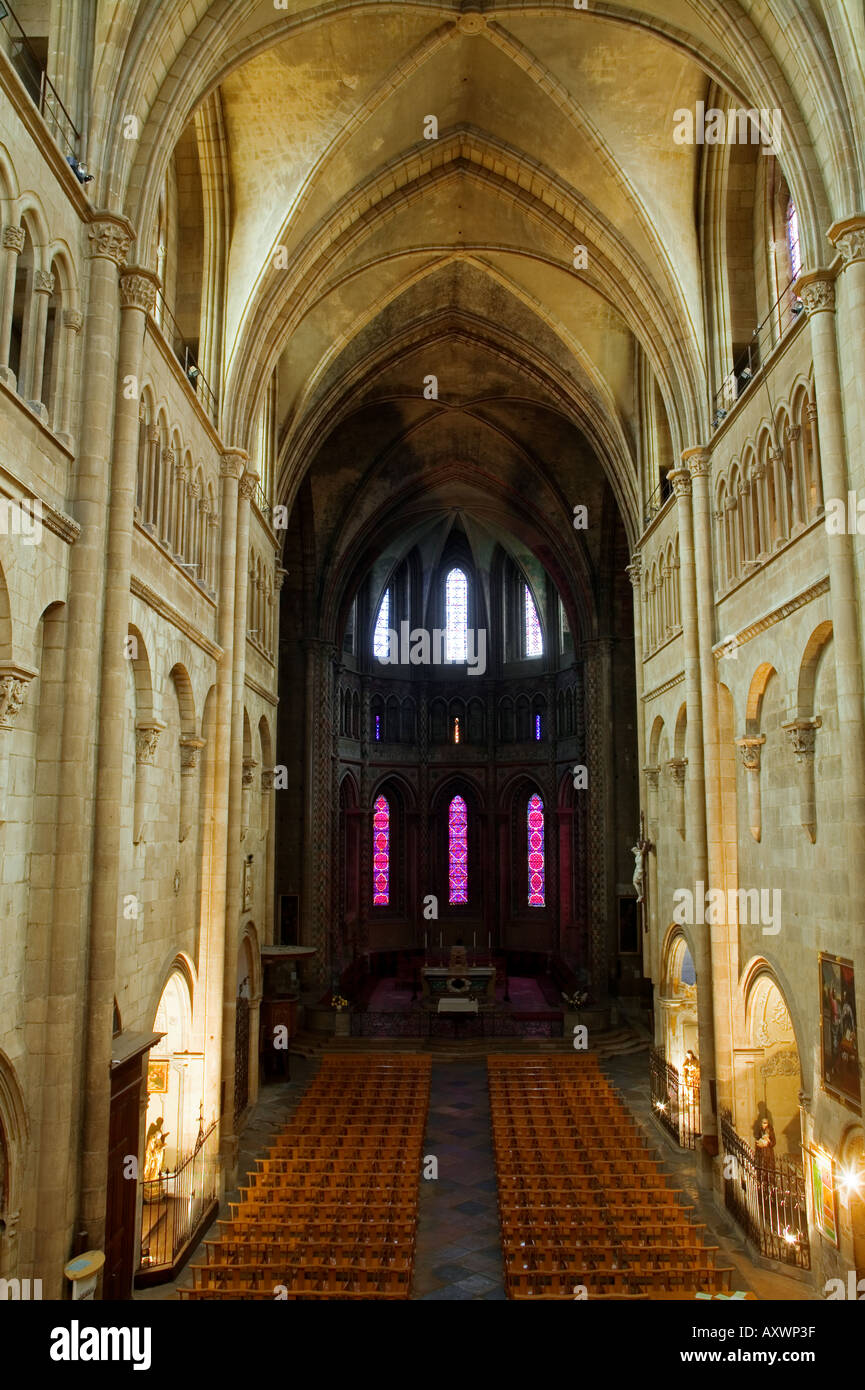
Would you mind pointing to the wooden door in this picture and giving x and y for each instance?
(123, 1141)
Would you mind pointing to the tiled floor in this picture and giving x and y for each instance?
(459, 1254)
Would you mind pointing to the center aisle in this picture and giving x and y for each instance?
(458, 1254)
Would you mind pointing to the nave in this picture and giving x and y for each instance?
(545, 1185)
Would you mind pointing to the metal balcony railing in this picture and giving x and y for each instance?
(750, 362)
(171, 331)
(44, 94)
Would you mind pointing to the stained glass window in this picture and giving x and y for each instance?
(378, 728)
(793, 239)
(536, 851)
(380, 644)
(534, 636)
(381, 853)
(537, 728)
(458, 851)
(456, 616)
(456, 731)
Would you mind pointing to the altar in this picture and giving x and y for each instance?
(459, 982)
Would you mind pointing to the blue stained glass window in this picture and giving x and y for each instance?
(458, 851)
(537, 728)
(380, 645)
(456, 616)
(535, 821)
(381, 853)
(378, 728)
(534, 636)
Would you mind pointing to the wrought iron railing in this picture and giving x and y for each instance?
(176, 1204)
(782, 315)
(172, 333)
(39, 86)
(675, 1101)
(658, 498)
(766, 1196)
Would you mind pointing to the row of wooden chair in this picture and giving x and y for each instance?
(331, 1210)
(586, 1208)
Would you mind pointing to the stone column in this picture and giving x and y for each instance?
(677, 767)
(234, 860)
(14, 680)
(696, 786)
(758, 474)
(212, 950)
(602, 842)
(320, 656)
(31, 383)
(73, 321)
(817, 291)
(190, 747)
(137, 294)
(247, 783)
(794, 439)
(267, 776)
(802, 734)
(13, 245)
(64, 1013)
(651, 775)
(634, 572)
(146, 744)
(749, 750)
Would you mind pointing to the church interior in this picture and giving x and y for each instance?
(432, 650)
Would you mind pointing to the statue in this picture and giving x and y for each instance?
(763, 1151)
(691, 1073)
(639, 851)
(154, 1151)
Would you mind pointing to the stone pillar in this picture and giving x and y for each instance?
(212, 950)
(794, 439)
(73, 321)
(146, 744)
(64, 1011)
(817, 291)
(267, 777)
(677, 767)
(602, 842)
(14, 680)
(651, 774)
(247, 783)
(681, 479)
(190, 747)
(13, 245)
(749, 750)
(31, 383)
(634, 572)
(137, 293)
(758, 474)
(318, 809)
(234, 858)
(802, 734)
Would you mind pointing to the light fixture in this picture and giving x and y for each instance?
(78, 170)
(850, 1180)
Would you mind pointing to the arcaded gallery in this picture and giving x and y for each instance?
(432, 654)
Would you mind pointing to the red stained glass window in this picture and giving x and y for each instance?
(536, 852)
(458, 851)
(381, 853)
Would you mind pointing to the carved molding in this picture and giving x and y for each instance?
(253, 685)
(171, 614)
(662, 689)
(13, 239)
(232, 463)
(802, 734)
(190, 747)
(698, 462)
(138, 289)
(14, 681)
(110, 240)
(849, 237)
(73, 319)
(147, 741)
(676, 768)
(43, 282)
(634, 570)
(816, 291)
(248, 483)
(652, 774)
(749, 752)
(681, 481)
(776, 616)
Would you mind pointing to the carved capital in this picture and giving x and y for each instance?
(147, 741)
(190, 747)
(802, 734)
(749, 752)
(279, 577)
(698, 462)
(794, 434)
(816, 289)
(232, 463)
(249, 766)
(73, 319)
(138, 289)
(676, 769)
(110, 240)
(267, 776)
(652, 775)
(681, 481)
(14, 681)
(743, 487)
(169, 458)
(248, 483)
(43, 282)
(849, 237)
(811, 412)
(758, 471)
(634, 570)
(13, 239)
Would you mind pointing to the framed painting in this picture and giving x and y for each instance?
(839, 1048)
(157, 1078)
(823, 1194)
